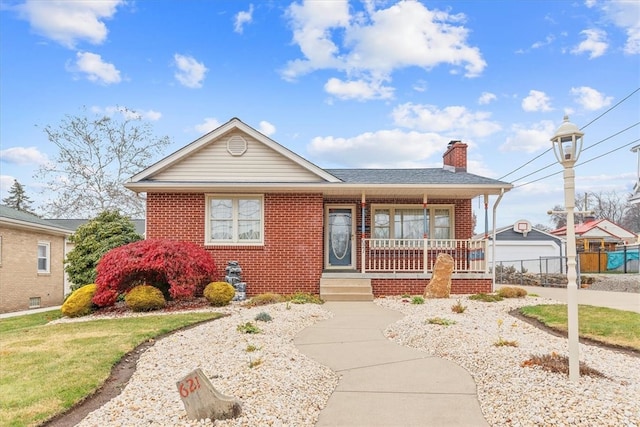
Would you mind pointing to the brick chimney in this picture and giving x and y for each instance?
(455, 158)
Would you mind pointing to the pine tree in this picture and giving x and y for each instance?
(18, 199)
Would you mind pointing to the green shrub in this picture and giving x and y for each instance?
(511, 292)
(304, 298)
(417, 300)
(94, 239)
(265, 299)
(485, 297)
(263, 316)
(248, 328)
(79, 302)
(440, 321)
(219, 293)
(144, 298)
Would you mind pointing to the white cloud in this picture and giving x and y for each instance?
(207, 125)
(547, 41)
(267, 128)
(94, 68)
(357, 89)
(624, 14)
(68, 22)
(190, 72)
(242, 18)
(595, 43)
(368, 46)
(23, 156)
(6, 181)
(590, 99)
(454, 120)
(536, 101)
(529, 138)
(127, 113)
(385, 148)
(486, 98)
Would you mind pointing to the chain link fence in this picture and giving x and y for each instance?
(543, 271)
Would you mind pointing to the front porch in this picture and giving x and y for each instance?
(405, 266)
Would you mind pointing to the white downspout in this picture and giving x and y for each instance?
(493, 245)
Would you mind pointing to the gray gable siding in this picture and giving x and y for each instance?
(510, 235)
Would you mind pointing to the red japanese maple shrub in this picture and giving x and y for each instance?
(180, 269)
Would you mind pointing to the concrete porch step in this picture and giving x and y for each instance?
(345, 289)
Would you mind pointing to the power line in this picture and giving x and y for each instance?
(583, 127)
(586, 149)
(580, 164)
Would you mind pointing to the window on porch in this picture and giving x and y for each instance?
(409, 222)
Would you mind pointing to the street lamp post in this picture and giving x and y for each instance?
(567, 144)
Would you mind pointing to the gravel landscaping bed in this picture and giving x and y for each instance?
(287, 389)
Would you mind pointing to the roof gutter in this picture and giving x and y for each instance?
(493, 245)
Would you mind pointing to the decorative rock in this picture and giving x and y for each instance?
(201, 400)
(440, 284)
(233, 277)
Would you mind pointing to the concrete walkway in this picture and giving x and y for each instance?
(382, 383)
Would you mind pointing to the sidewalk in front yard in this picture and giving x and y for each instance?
(382, 383)
(619, 300)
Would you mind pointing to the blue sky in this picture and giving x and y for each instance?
(344, 84)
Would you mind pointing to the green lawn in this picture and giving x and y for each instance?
(46, 369)
(606, 325)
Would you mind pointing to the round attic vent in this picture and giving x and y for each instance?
(236, 145)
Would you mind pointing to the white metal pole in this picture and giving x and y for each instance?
(572, 286)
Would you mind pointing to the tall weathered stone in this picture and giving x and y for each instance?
(440, 284)
(201, 400)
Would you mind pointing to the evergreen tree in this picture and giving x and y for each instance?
(18, 199)
(94, 239)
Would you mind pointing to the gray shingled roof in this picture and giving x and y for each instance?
(16, 215)
(411, 176)
(73, 224)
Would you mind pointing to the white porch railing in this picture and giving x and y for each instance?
(419, 255)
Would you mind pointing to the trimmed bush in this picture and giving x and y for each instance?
(304, 298)
(79, 302)
(180, 269)
(265, 299)
(219, 293)
(511, 292)
(144, 298)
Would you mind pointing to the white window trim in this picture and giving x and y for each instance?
(235, 241)
(47, 245)
(430, 208)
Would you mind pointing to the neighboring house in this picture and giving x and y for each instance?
(521, 244)
(73, 224)
(32, 251)
(293, 226)
(598, 235)
(635, 196)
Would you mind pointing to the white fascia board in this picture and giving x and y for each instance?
(10, 222)
(327, 188)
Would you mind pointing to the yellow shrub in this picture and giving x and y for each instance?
(511, 292)
(145, 298)
(79, 302)
(219, 293)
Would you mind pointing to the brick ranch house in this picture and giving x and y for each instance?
(293, 226)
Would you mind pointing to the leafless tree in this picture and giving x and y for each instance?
(95, 156)
(604, 205)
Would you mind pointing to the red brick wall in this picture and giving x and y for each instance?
(384, 287)
(291, 258)
(456, 156)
